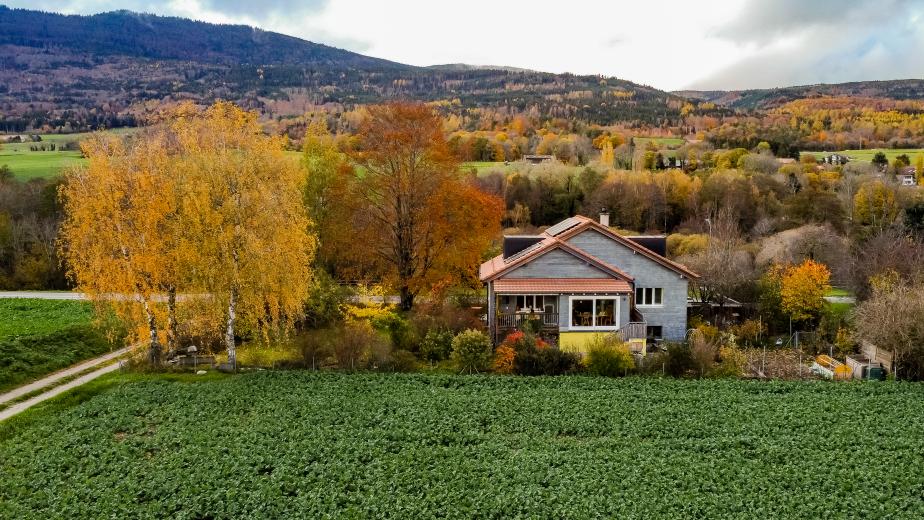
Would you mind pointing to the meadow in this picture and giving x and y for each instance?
(292, 443)
(26, 164)
(867, 155)
(39, 336)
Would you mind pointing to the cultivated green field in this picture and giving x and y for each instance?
(867, 155)
(39, 336)
(316, 445)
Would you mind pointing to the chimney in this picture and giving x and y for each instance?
(605, 217)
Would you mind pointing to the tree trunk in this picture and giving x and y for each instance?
(171, 319)
(229, 331)
(154, 348)
(407, 298)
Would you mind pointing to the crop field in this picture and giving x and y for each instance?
(867, 155)
(311, 445)
(39, 336)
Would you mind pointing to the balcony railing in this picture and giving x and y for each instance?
(633, 330)
(510, 321)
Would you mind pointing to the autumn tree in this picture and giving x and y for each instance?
(243, 209)
(423, 225)
(919, 168)
(606, 154)
(802, 290)
(726, 268)
(119, 233)
(879, 321)
(328, 190)
(874, 204)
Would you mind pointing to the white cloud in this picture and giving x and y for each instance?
(669, 44)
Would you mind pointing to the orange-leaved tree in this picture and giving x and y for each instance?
(803, 288)
(243, 210)
(119, 235)
(423, 223)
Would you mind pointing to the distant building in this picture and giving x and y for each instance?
(907, 176)
(538, 159)
(835, 158)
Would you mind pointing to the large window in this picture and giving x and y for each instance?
(649, 296)
(591, 312)
(536, 303)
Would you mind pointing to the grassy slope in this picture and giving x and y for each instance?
(278, 444)
(41, 336)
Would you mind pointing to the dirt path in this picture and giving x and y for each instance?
(29, 403)
(49, 380)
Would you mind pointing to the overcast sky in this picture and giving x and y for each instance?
(669, 44)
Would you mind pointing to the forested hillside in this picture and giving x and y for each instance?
(65, 73)
(759, 99)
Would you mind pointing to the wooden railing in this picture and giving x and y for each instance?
(549, 320)
(633, 330)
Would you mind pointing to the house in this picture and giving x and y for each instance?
(579, 279)
(907, 176)
(835, 158)
(538, 159)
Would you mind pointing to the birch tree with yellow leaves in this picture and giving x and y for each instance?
(204, 204)
(243, 211)
(119, 233)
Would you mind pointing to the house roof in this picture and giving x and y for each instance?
(500, 265)
(561, 285)
(556, 238)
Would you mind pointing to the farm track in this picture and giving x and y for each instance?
(108, 363)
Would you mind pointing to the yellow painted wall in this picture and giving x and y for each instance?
(579, 341)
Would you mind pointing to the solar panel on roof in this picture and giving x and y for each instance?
(563, 226)
(522, 253)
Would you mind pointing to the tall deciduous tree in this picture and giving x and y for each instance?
(243, 209)
(423, 224)
(119, 234)
(803, 288)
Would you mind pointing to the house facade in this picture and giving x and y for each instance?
(580, 279)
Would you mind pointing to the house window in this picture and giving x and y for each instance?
(536, 303)
(587, 312)
(648, 296)
(653, 332)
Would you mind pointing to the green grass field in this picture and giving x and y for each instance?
(670, 142)
(26, 164)
(330, 445)
(39, 336)
(867, 155)
(30, 316)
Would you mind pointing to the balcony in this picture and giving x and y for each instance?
(547, 321)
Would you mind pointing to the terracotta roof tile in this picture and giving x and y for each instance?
(560, 285)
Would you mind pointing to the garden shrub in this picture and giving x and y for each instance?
(402, 361)
(534, 357)
(315, 347)
(436, 345)
(397, 327)
(357, 342)
(678, 360)
(731, 362)
(471, 351)
(609, 357)
(504, 357)
(325, 302)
